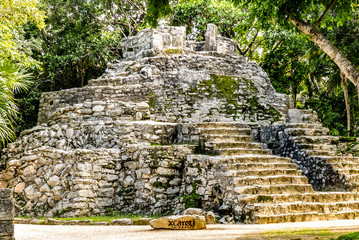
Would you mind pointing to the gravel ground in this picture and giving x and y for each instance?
(215, 232)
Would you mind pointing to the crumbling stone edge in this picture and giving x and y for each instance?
(52, 221)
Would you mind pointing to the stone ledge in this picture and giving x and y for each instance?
(52, 221)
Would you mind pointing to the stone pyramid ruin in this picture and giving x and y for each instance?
(178, 124)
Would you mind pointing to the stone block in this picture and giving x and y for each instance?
(53, 181)
(124, 221)
(6, 209)
(157, 42)
(6, 215)
(5, 193)
(211, 38)
(167, 40)
(183, 222)
(6, 230)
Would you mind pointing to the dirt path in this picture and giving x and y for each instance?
(215, 232)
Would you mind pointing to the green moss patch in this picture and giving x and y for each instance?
(264, 198)
(170, 51)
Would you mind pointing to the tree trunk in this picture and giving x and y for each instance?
(346, 67)
(344, 83)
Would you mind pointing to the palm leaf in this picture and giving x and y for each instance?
(12, 80)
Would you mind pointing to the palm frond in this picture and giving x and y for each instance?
(13, 79)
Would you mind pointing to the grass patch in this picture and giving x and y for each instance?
(100, 218)
(350, 236)
(303, 234)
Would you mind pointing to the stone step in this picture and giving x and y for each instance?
(275, 189)
(307, 131)
(346, 166)
(317, 147)
(300, 207)
(322, 197)
(320, 153)
(252, 159)
(340, 159)
(251, 166)
(221, 125)
(268, 180)
(302, 116)
(118, 80)
(225, 131)
(227, 138)
(247, 145)
(241, 151)
(304, 125)
(295, 111)
(305, 217)
(352, 178)
(264, 173)
(310, 118)
(315, 139)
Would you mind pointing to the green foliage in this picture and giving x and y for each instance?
(231, 22)
(157, 9)
(332, 115)
(12, 79)
(28, 107)
(18, 12)
(272, 12)
(350, 236)
(13, 16)
(76, 45)
(192, 200)
(195, 15)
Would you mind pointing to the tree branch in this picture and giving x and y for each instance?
(277, 45)
(240, 51)
(325, 13)
(251, 44)
(140, 9)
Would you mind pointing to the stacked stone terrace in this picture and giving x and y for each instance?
(171, 125)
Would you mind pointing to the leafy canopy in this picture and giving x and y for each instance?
(271, 12)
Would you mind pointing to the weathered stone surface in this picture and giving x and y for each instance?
(53, 181)
(184, 222)
(116, 143)
(19, 188)
(194, 211)
(29, 192)
(142, 221)
(210, 218)
(211, 38)
(124, 221)
(6, 215)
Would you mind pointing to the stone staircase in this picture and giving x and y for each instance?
(304, 128)
(306, 131)
(268, 188)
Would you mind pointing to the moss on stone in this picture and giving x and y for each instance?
(160, 185)
(152, 102)
(264, 198)
(170, 51)
(192, 200)
(239, 97)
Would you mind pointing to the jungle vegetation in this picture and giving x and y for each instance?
(309, 48)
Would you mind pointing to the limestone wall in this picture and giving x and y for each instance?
(6, 215)
(138, 179)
